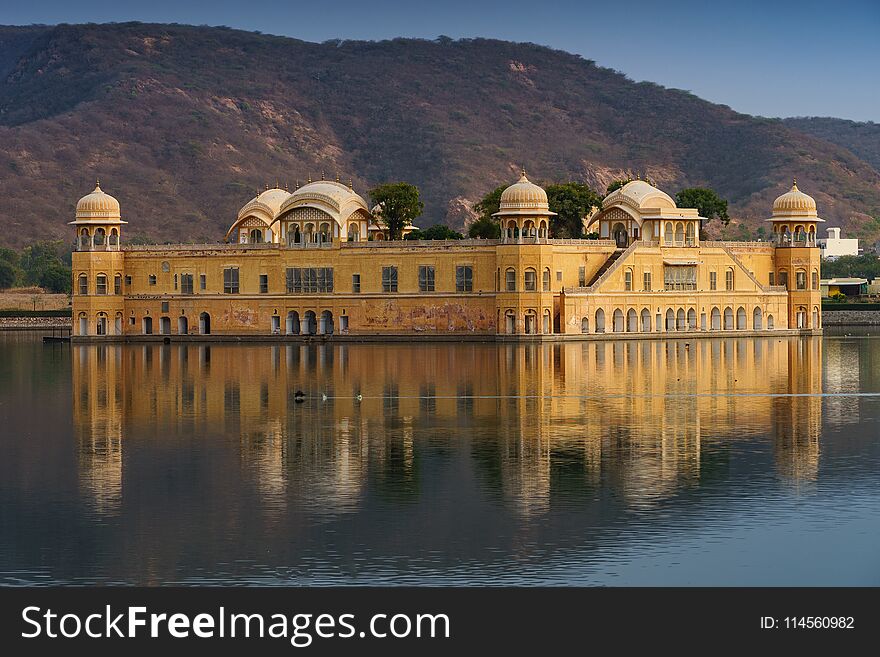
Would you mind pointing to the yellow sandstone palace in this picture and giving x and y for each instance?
(316, 262)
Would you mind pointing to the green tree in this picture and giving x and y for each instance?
(706, 201)
(435, 232)
(616, 184)
(399, 205)
(862, 266)
(56, 278)
(487, 229)
(8, 275)
(490, 203)
(39, 257)
(571, 201)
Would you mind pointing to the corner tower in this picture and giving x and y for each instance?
(97, 265)
(797, 262)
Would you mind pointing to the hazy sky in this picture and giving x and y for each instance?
(773, 58)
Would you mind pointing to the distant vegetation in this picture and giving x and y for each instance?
(435, 232)
(44, 264)
(862, 266)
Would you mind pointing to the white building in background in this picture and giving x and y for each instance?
(834, 246)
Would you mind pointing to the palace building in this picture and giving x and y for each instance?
(317, 262)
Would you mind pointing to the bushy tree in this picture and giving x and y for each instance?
(706, 201)
(40, 257)
(571, 201)
(435, 232)
(7, 275)
(487, 229)
(616, 184)
(399, 205)
(490, 203)
(861, 266)
(56, 278)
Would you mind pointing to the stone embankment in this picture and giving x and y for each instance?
(34, 323)
(851, 318)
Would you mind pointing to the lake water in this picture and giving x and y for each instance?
(728, 461)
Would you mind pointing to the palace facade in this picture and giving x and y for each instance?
(316, 262)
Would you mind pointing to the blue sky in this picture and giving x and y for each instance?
(781, 58)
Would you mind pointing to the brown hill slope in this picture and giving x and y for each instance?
(862, 138)
(182, 124)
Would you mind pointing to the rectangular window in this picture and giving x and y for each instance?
(783, 278)
(152, 279)
(628, 280)
(264, 283)
(815, 280)
(646, 281)
(117, 284)
(680, 277)
(559, 276)
(175, 281)
(309, 280)
(713, 280)
(582, 277)
(799, 277)
(728, 280)
(426, 278)
(510, 280)
(203, 282)
(186, 283)
(531, 280)
(389, 279)
(356, 283)
(101, 284)
(128, 280)
(131, 321)
(772, 278)
(464, 279)
(230, 280)
(164, 306)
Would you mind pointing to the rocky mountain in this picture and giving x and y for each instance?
(183, 124)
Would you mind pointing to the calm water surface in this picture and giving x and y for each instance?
(740, 461)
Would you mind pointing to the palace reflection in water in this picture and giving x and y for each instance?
(535, 421)
(724, 461)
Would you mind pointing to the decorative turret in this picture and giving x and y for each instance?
(524, 212)
(98, 222)
(795, 219)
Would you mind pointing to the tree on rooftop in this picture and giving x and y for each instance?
(399, 205)
(571, 201)
(710, 205)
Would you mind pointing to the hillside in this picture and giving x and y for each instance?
(862, 138)
(183, 124)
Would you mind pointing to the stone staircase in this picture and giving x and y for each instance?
(605, 266)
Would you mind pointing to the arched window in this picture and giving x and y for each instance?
(84, 239)
(510, 279)
(741, 319)
(354, 232)
(326, 235)
(600, 321)
(99, 237)
(617, 323)
(800, 277)
(691, 232)
(815, 280)
(83, 284)
(668, 233)
(546, 281)
(117, 284)
(256, 236)
(114, 237)
(728, 279)
(531, 280)
(632, 321)
(679, 233)
(770, 324)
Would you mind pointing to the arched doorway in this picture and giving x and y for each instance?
(617, 321)
(757, 319)
(548, 327)
(621, 237)
(716, 319)
(692, 319)
(101, 326)
(510, 322)
(680, 321)
(600, 321)
(83, 324)
(276, 325)
(118, 324)
(292, 325)
(165, 325)
(728, 319)
(741, 319)
(531, 319)
(632, 321)
(326, 324)
(148, 325)
(646, 320)
(816, 317)
(585, 325)
(770, 324)
(310, 323)
(205, 324)
(670, 320)
(182, 325)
